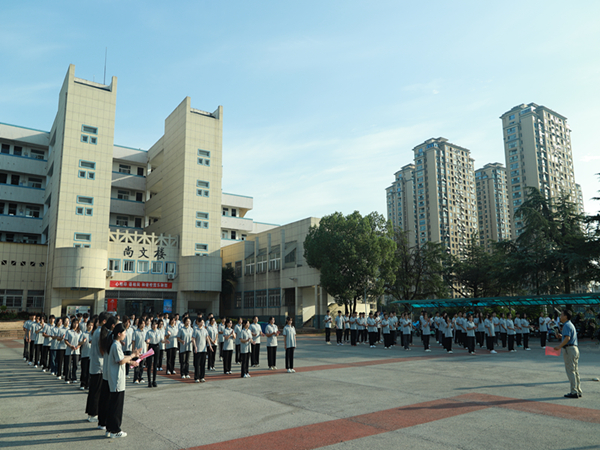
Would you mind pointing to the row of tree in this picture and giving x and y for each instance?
(557, 251)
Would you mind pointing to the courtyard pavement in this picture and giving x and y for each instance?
(340, 397)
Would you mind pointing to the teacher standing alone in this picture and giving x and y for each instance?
(571, 353)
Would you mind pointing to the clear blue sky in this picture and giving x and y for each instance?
(323, 101)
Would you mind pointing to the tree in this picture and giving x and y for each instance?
(418, 270)
(354, 255)
(228, 282)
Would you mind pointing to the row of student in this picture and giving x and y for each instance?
(465, 329)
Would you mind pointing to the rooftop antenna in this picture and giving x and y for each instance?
(105, 54)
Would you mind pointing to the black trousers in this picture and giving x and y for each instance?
(511, 342)
(519, 336)
(84, 380)
(220, 350)
(447, 341)
(406, 339)
(37, 357)
(525, 340)
(426, 338)
(272, 356)
(237, 352)
(211, 357)
(543, 335)
(126, 353)
(394, 336)
(245, 357)
(387, 340)
(93, 398)
(199, 365)
(346, 334)
(289, 357)
(490, 342)
(71, 363)
(480, 335)
(365, 334)
(338, 335)
(25, 349)
(160, 358)
(103, 403)
(151, 363)
(503, 337)
(255, 354)
(184, 361)
(227, 354)
(31, 351)
(171, 359)
(372, 337)
(378, 334)
(115, 412)
(60, 359)
(45, 353)
(327, 334)
(353, 335)
(471, 343)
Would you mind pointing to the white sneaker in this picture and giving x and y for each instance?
(120, 434)
(102, 428)
(29, 363)
(328, 343)
(202, 380)
(450, 351)
(136, 382)
(67, 382)
(92, 419)
(427, 350)
(289, 370)
(493, 351)
(107, 434)
(293, 371)
(43, 370)
(527, 348)
(60, 378)
(197, 381)
(274, 367)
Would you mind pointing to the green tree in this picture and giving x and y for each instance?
(228, 283)
(418, 270)
(354, 254)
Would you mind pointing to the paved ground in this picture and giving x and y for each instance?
(340, 398)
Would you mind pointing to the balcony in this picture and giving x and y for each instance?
(237, 223)
(128, 181)
(21, 194)
(126, 207)
(23, 164)
(20, 224)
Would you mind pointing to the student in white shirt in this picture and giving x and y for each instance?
(525, 331)
(289, 334)
(518, 330)
(510, 327)
(221, 329)
(163, 346)
(238, 331)
(95, 380)
(213, 334)
(139, 341)
(245, 347)
(426, 330)
(228, 344)
(328, 319)
(106, 341)
(339, 328)
(201, 341)
(185, 347)
(372, 329)
(272, 332)
(448, 326)
(47, 333)
(362, 329)
(490, 332)
(84, 380)
(346, 327)
(496, 322)
(61, 348)
(393, 327)
(38, 339)
(116, 382)
(543, 321)
(470, 337)
(503, 330)
(257, 332)
(406, 325)
(353, 329)
(387, 336)
(153, 340)
(73, 341)
(171, 345)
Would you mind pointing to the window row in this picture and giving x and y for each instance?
(21, 238)
(201, 220)
(204, 188)
(127, 169)
(203, 157)
(16, 209)
(21, 180)
(17, 150)
(143, 266)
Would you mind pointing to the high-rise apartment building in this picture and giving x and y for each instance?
(492, 204)
(537, 145)
(442, 206)
(87, 224)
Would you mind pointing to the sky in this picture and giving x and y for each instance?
(323, 100)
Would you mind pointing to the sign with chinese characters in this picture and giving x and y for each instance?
(167, 306)
(159, 253)
(111, 304)
(141, 284)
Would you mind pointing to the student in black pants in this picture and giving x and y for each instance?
(245, 339)
(228, 345)
(200, 341)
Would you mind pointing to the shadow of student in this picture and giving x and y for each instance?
(54, 440)
(470, 388)
(40, 424)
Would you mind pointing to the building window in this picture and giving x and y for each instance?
(114, 265)
(37, 154)
(5, 149)
(79, 210)
(91, 175)
(85, 138)
(89, 130)
(274, 298)
(122, 221)
(89, 211)
(83, 237)
(157, 267)
(34, 183)
(85, 200)
(204, 186)
(143, 266)
(123, 195)
(13, 299)
(170, 268)
(123, 168)
(201, 250)
(35, 299)
(32, 211)
(87, 164)
(201, 219)
(203, 157)
(238, 268)
(261, 299)
(128, 265)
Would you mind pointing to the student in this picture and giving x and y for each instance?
(54, 345)
(201, 341)
(162, 346)
(518, 329)
(86, 346)
(361, 322)
(213, 335)
(116, 381)
(245, 339)
(172, 345)
(525, 331)
(387, 335)
(61, 349)
(406, 331)
(378, 327)
(353, 329)
(38, 337)
(105, 343)
(503, 329)
(139, 341)
(31, 338)
(346, 328)
(496, 322)
(448, 327)
(47, 333)
(238, 332)
(185, 347)
(480, 334)
(543, 321)
(339, 328)
(372, 329)
(221, 329)
(256, 331)
(426, 330)
(26, 337)
(393, 327)
(153, 340)
(96, 361)
(228, 344)
(73, 341)
(128, 341)
(289, 333)
(272, 332)
(510, 327)
(490, 333)
(328, 319)
(470, 327)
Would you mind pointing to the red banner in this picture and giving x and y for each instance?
(111, 304)
(141, 284)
